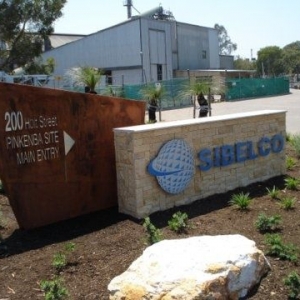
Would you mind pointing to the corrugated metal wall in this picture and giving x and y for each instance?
(197, 47)
(116, 47)
(133, 50)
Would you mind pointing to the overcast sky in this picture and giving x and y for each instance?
(251, 24)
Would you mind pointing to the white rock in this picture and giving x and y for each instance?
(205, 267)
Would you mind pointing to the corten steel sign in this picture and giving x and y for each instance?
(57, 151)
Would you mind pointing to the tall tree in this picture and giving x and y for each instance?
(244, 64)
(24, 25)
(226, 46)
(291, 58)
(269, 61)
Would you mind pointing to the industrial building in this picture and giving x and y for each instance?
(145, 48)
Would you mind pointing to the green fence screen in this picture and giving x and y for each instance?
(172, 98)
(244, 88)
(237, 88)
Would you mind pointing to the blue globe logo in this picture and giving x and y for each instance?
(174, 166)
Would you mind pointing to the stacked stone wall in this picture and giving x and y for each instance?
(139, 193)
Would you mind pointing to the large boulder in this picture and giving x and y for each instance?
(204, 267)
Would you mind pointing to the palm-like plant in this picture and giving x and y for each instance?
(153, 94)
(86, 76)
(194, 89)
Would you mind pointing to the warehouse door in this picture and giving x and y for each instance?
(158, 64)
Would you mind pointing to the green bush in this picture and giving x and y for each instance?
(273, 193)
(288, 202)
(178, 222)
(54, 289)
(291, 183)
(280, 250)
(60, 261)
(295, 141)
(153, 234)
(241, 200)
(292, 281)
(290, 162)
(265, 223)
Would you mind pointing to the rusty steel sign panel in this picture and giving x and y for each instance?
(57, 151)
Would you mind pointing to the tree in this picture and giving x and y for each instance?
(270, 61)
(244, 64)
(291, 58)
(38, 67)
(24, 25)
(226, 46)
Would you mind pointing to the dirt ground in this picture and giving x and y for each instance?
(107, 242)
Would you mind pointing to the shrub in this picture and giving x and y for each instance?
(292, 281)
(290, 163)
(54, 289)
(291, 183)
(280, 250)
(288, 137)
(273, 193)
(287, 202)
(179, 222)
(265, 223)
(154, 234)
(241, 200)
(60, 261)
(295, 141)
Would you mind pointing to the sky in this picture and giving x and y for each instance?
(251, 24)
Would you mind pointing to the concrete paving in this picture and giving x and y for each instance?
(289, 103)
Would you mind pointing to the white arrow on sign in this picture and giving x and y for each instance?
(69, 142)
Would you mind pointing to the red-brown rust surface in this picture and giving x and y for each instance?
(44, 184)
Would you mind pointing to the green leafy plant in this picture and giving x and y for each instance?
(154, 234)
(241, 200)
(54, 289)
(154, 95)
(265, 223)
(194, 89)
(292, 281)
(178, 222)
(288, 137)
(291, 183)
(288, 202)
(290, 163)
(86, 76)
(273, 193)
(280, 250)
(295, 141)
(60, 261)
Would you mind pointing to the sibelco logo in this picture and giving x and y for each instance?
(174, 166)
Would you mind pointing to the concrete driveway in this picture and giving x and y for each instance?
(290, 103)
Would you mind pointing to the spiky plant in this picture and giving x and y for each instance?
(86, 76)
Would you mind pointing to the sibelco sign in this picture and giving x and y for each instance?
(174, 166)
